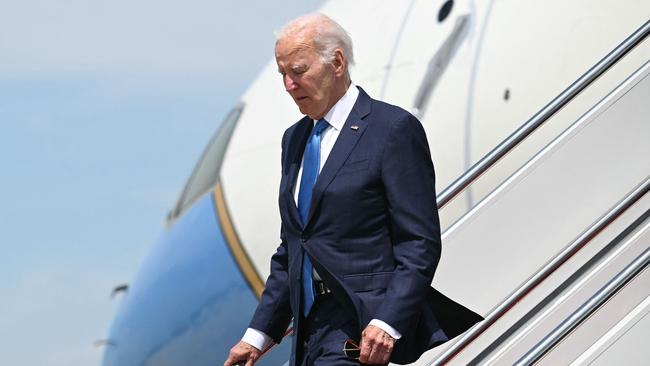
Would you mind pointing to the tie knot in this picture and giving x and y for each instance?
(321, 125)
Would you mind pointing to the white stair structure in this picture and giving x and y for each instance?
(556, 256)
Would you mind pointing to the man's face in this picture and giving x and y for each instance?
(308, 80)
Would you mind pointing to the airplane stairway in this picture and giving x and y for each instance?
(555, 257)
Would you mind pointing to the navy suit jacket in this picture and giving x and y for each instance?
(372, 232)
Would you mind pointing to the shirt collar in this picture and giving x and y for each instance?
(339, 113)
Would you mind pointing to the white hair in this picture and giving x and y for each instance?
(328, 35)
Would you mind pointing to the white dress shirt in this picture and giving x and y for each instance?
(336, 118)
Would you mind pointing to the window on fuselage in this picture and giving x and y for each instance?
(206, 171)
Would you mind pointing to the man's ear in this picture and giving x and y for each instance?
(339, 62)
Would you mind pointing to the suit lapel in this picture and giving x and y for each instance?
(296, 148)
(350, 134)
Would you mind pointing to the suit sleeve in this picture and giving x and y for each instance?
(409, 182)
(273, 313)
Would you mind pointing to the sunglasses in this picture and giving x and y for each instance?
(351, 349)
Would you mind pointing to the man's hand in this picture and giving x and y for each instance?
(243, 352)
(376, 346)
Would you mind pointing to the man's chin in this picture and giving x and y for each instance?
(306, 111)
(309, 112)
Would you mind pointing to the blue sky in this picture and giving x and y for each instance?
(104, 109)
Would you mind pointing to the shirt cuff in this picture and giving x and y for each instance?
(386, 328)
(257, 339)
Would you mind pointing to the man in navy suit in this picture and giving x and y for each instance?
(360, 230)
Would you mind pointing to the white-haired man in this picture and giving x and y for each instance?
(360, 237)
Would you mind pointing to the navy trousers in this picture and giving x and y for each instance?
(326, 329)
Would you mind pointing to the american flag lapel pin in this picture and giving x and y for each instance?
(354, 127)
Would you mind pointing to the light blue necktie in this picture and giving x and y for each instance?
(310, 167)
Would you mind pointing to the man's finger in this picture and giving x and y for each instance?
(235, 362)
(366, 347)
(375, 354)
(387, 350)
(240, 362)
(230, 361)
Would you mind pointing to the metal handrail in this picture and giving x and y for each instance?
(586, 310)
(543, 273)
(542, 116)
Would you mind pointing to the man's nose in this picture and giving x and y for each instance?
(289, 83)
